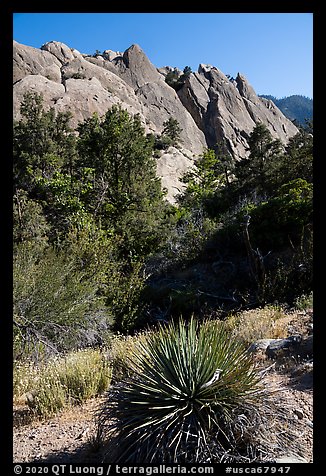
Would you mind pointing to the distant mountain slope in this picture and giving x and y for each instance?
(294, 107)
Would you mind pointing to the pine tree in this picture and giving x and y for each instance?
(126, 192)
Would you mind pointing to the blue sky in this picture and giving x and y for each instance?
(274, 51)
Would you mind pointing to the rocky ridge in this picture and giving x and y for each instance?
(209, 106)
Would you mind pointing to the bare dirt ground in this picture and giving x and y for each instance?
(69, 437)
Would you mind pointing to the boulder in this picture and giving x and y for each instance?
(111, 55)
(293, 345)
(51, 91)
(306, 347)
(116, 88)
(260, 345)
(60, 51)
(28, 60)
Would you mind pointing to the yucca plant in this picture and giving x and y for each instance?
(191, 396)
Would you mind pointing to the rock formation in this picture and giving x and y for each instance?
(228, 110)
(209, 106)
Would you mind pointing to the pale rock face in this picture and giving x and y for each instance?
(28, 60)
(265, 111)
(229, 110)
(135, 68)
(194, 96)
(208, 107)
(84, 70)
(111, 55)
(171, 166)
(61, 51)
(161, 102)
(50, 90)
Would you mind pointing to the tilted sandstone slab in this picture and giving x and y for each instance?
(263, 110)
(159, 100)
(228, 110)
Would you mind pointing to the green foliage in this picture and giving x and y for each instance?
(202, 181)
(124, 297)
(63, 199)
(162, 142)
(172, 78)
(29, 223)
(188, 237)
(254, 174)
(187, 386)
(52, 302)
(43, 143)
(171, 131)
(177, 80)
(126, 193)
(273, 190)
(68, 380)
(279, 221)
(78, 76)
(44, 161)
(91, 224)
(97, 191)
(170, 135)
(291, 275)
(304, 302)
(298, 161)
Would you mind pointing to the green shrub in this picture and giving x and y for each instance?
(121, 351)
(303, 302)
(68, 381)
(53, 302)
(172, 407)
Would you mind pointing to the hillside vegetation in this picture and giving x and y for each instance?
(298, 108)
(98, 248)
(100, 253)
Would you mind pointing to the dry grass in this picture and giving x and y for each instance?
(121, 352)
(62, 382)
(25, 376)
(261, 323)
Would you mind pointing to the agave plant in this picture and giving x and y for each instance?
(190, 397)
